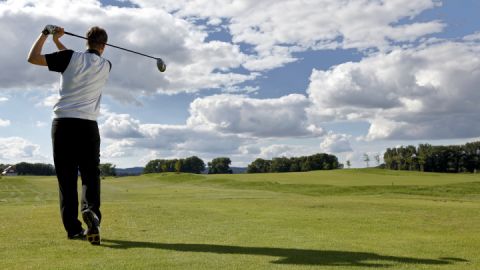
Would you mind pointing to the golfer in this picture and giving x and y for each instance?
(75, 135)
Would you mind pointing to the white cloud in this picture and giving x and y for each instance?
(276, 29)
(184, 138)
(40, 124)
(285, 150)
(119, 126)
(193, 64)
(473, 37)
(49, 101)
(429, 92)
(16, 149)
(381, 128)
(336, 143)
(3, 99)
(125, 135)
(171, 29)
(4, 123)
(118, 149)
(235, 114)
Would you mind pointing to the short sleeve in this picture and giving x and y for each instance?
(58, 61)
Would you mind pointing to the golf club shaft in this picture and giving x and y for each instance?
(71, 34)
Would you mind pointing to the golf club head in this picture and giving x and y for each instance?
(161, 65)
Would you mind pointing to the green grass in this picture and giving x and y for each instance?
(345, 219)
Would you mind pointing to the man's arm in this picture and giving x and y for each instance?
(56, 39)
(35, 56)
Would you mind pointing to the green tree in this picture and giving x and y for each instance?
(107, 169)
(472, 157)
(194, 165)
(280, 164)
(377, 159)
(366, 158)
(295, 165)
(410, 156)
(259, 166)
(164, 167)
(152, 166)
(178, 166)
(428, 158)
(306, 164)
(24, 168)
(220, 165)
(319, 161)
(191, 165)
(424, 157)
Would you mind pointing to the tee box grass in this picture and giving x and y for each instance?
(342, 219)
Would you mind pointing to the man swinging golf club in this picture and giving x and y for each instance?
(75, 135)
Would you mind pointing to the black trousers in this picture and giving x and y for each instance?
(76, 148)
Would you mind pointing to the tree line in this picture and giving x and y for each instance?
(315, 162)
(25, 168)
(220, 165)
(428, 158)
(425, 157)
(189, 165)
(107, 169)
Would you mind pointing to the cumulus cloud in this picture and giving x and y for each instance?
(126, 134)
(49, 101)
(184, 138)
(193, 63)
(473, 37)
(119, 126)
(276, 29)
(336, 143)
(172, 30)
(235, 114)
(4, 123)
(118, 149)
(285, 150)
(13, 149)
(208, 133)
(428, 92)
(41, 124)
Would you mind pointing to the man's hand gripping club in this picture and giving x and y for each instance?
(35, 56)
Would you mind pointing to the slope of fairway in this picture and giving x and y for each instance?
(270, 221)
(356, 177)
(343, 182)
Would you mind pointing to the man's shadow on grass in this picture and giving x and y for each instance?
(289, 255)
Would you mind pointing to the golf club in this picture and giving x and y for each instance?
(160, 64)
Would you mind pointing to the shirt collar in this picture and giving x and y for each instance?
(93, 51)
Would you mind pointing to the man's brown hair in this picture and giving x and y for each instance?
(97, 37)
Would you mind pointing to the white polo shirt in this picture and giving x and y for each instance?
(84, 75)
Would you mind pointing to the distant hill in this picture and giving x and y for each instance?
(129, 171)
(236, 170)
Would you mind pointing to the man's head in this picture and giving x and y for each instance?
(97, 38)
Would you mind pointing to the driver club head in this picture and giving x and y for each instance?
(161, 65)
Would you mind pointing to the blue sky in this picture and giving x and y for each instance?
(249, 79)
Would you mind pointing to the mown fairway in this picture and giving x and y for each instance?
(346, 219)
